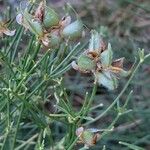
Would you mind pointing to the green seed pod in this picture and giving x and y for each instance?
(54, 40)
(36, 28)
(50, 18)
(85, 63)
(73, 30)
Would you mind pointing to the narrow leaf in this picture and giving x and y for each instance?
(131, 146)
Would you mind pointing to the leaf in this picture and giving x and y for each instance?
(107, 80)
(131, 146)
(106, 56)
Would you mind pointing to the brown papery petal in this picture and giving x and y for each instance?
(118, 63)
(39, 13)
(9, 32)
(65, 21)
(45, 41)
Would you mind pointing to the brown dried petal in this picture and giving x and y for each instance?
(9, 32)
(118, 63)
(39, 13)
(65, 21)
(45, 41)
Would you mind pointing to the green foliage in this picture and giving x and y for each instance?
(44, 102)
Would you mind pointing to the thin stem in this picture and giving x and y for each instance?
(21, 30)
(118, 97)
(111, 125)
(5, 139)
(17, 127)
(72, 134)
(13, 41)
(66, 59)
(73, 143)
(27, 142)
(56, 75)
(86, 110)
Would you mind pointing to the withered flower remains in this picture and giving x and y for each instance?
(4, 29)
(88, 137)
(47, 26)
(98, 59)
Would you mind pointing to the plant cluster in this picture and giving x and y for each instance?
(33, 96)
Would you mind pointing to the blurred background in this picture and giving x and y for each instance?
(126, 24)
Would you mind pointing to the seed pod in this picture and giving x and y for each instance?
(36, 28)
(73, 30)
(50, 18)
(85, 63)
(54, 40)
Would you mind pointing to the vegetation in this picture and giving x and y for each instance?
(63, 85)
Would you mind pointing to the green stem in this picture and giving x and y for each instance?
(66, 59)
(21, 30)
(17, 127)
(5, 139)
(73, 143)
(34, 56)
(118, 97)
(71, 137)
(58, 74)
(13, 41)
(87, 108)
(27, 142)
(31, 70)
(111, 125)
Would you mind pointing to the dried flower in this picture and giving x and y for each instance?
(4, 29)
(40, 11)
(88, 137)
(87, 61)
(28, 21)
(45, 24)
(98, 60)
(109, 71)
